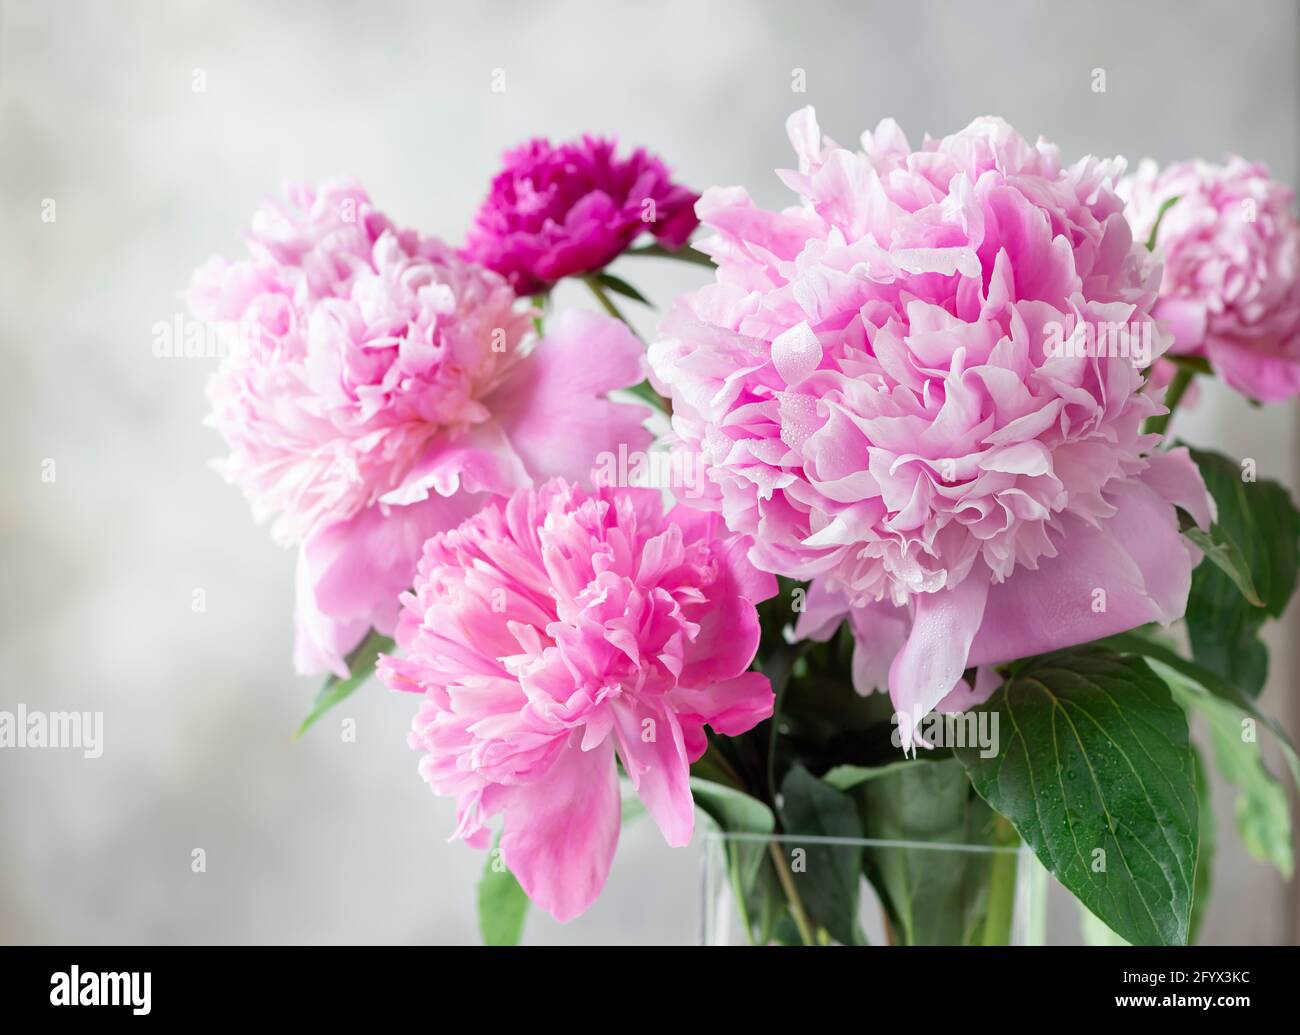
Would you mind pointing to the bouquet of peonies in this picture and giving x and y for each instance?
(910, 557)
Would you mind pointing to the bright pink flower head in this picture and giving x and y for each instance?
(561, 629)
(1231, 249)
(383, 387)
(920, 383)
(559, 210)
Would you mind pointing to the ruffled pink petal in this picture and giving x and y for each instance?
(351, 573)
(1174, 475)
(653, 751)
(824, 610)
(550, 407)
(880, 629)
(727, 640)
(1256, 374)
(964, 696)
(560, 833)
(321, 642)
(751, 583)
(1134, 569)
(731, 707)
(480, 460)
(937, 651)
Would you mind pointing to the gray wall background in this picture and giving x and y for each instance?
(324, 841)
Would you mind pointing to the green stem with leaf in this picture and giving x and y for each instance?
(1002, 884)
(644, 390)
(602, 296)
(683, 254)
(361, 665)
(797, 911)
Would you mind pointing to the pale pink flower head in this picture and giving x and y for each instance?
(1230, 243)
(561, 210)
(923, 388)
(560, 630)
(382, 388)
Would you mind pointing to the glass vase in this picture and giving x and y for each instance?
(796, 889)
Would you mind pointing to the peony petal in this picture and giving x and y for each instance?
(1174, 474)
(731, 707)
(1255, 374)
(880, 631)
(560, 833)
(481, 460)
(965, 697)
(1134, 569)
(321, 642)
(551, 407)
(937, 650)
(359, 567)
(653, 752)
(351, 573)
(796, 353)
(1185, 319)
(824, 610)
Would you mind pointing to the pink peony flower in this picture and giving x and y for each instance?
(558, 630)
(1231, 289)
(560, 210)
(388, 388)
(914, 389)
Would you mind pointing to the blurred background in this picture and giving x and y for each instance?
(322, 840)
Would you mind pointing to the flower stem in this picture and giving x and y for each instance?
(1173, 394)
(792, 895)
(1001, 886)
(606, 303)
(644, 390)
(683, 254)
(1160, 218)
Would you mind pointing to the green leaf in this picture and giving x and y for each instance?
(1166, 662)
(935, 895)
(1097, 933)
(1095, 771)
(1257, 520)
(361, 664)
(1225, 556)
(734, 812)
(847, 777)
(684, 254)
(1262, 813)
(620, 286)
(731, 810)
(1196, 364)
(830, 882)
(502, 903)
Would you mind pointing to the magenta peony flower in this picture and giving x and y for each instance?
(560, 210)
(923, 388)
(388, 389)
(1231, 289)
(556, 631)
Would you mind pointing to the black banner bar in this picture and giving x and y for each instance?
(143, 985)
